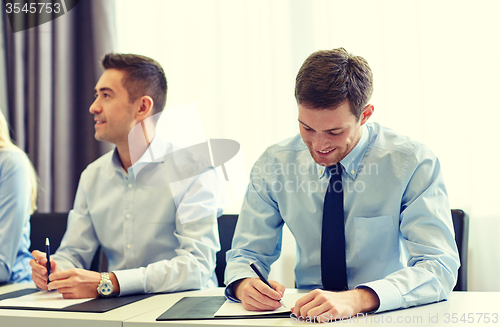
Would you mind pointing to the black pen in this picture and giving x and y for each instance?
(257, 271)
(47, 253)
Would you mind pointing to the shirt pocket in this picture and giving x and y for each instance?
(376, 238)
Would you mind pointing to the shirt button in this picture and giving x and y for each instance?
(129, 246)
(130, 185)
(320, 171)
(352, 171)
(127, 215)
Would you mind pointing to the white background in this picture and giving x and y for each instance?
(436, 75)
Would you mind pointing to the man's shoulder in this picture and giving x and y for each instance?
(386, 139)
(287, 152)
(290, 145)
(100, 163)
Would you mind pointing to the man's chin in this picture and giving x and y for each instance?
(100, 137)
(326, 162)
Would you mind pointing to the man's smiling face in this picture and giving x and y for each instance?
(330, 134)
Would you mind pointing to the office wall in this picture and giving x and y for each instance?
(436, 69)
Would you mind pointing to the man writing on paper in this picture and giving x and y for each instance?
(367, 207)
(137, 225)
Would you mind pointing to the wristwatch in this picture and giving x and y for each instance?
(105, 288)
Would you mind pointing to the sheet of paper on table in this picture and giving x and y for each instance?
(230, 308)
(41, 299)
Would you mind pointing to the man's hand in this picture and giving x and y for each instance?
(257, 296)
(39, 269)
(327, 306)
(72, 283)
(75, 283)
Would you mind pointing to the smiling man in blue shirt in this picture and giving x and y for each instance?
(399, 241)
(134, 220)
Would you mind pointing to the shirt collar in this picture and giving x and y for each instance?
(143, 161)
(115, 160)
(321, 170)
(352, 162)
(116, 163)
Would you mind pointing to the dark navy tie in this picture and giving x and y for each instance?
(333, 265)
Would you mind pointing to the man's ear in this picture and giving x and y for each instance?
(367, 113)
(146, 104)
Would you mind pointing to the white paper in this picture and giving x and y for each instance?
(230, 308)
(41, 299)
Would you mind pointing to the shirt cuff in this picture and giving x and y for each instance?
(229, 292)
(131, 281)
(388, 294)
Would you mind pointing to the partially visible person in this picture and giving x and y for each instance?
(18, 189)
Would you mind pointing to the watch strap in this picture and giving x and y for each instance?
(104, 280)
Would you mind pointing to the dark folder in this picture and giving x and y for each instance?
(205, 307)
(96, 305)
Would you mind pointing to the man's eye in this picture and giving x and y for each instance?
(335, 134)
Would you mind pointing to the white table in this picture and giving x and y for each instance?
(39, 318)
(461, 305)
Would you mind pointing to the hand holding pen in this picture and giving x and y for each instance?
(42, 266)
(257, 271)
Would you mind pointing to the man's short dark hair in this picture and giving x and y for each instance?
(327, 78)
(143, 76)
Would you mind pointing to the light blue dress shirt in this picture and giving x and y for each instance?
(138, 227)
(15, 202)
(399, 233)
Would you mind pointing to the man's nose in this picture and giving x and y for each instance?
(320, 143)
(95, 107)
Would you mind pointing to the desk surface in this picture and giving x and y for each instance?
(463, 308)
(470, 307)
(40, 318)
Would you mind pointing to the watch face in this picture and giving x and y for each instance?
(106, 289)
